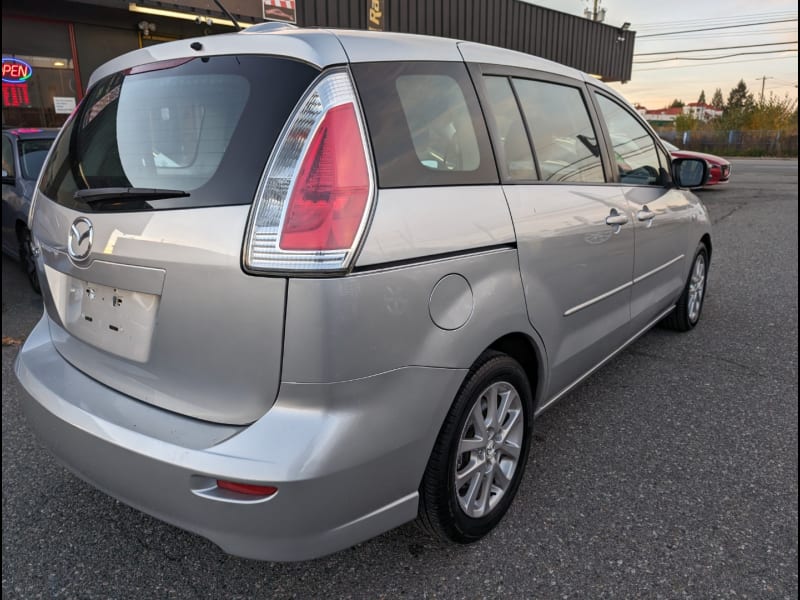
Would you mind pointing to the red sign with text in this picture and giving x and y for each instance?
(16, 94)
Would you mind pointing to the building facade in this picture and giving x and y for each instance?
(50, 48)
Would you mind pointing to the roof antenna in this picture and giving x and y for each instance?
(229, 15)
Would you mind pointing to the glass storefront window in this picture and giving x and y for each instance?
(44, 98)
(39, 87)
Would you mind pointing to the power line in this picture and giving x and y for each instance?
(720, 35)
(732, 62)
(714, 28)
(717, 20)
(648, 62)
(710, 49)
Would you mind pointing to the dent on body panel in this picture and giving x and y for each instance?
(357, 326)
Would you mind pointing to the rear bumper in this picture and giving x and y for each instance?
(347, 457)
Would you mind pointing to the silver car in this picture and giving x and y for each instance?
(24, 153)
(303, 286)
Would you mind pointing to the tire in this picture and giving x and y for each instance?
(687, 312)
(26, 258)
(464, 512)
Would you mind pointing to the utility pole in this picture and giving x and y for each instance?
(597, 14)
(763, 80)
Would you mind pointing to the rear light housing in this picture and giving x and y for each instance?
(316, 194)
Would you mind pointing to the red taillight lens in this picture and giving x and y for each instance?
(314, 198)
(332, 187)
(246, 488)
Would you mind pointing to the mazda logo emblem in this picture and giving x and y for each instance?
(81, 234)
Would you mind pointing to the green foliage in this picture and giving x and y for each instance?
(739, 98)
(686, 123)
(717, 101)
(773, 113)
(677, 104)
(747, 127)
(702, 98)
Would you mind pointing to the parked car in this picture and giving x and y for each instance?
(719, 169)
(289, 318)
(24, 151)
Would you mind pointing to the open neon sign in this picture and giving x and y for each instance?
(16, 70)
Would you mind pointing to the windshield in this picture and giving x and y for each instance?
(203, 125)
(31, 156)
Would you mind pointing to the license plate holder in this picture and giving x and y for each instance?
(113, 319)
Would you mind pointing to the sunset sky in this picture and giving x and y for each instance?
(656, 84)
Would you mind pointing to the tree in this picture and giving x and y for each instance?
(702, 98)
(772, 113)
(686, 123)
(739, 98)
(677, 104)
(717, 101)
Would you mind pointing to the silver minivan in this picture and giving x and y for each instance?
(303, 286)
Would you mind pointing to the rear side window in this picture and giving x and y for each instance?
(514, 152)
(634, 150)
(425, 124)
(204, 126)
(563, 137)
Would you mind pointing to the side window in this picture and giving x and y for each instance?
(634, 149)
(663, 158)
(425, 124)
(514, 150)
(438, 118)
(563, 137)
(8, 157)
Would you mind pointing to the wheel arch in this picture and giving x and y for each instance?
(706, 241)
(527, 352)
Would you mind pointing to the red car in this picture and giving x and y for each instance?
(719, 169)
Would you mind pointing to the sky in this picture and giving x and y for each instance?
(657, 84)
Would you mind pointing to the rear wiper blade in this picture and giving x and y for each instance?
(125, 194)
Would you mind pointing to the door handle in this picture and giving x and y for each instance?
(615, 219)
(645, 214)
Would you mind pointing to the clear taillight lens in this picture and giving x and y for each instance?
(315, 195)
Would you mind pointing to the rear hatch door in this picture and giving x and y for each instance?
(140, 216)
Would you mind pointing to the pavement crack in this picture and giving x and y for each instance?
(735, 208)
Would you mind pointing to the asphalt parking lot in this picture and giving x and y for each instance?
(671, 473)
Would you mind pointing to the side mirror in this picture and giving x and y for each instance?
(689, 172)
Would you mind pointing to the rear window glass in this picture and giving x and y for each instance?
(425, 124)
(201, 126)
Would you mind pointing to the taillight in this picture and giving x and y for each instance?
(315, 195)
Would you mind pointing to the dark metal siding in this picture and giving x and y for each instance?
(568, 39)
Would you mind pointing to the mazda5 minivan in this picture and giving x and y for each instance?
(303, 286)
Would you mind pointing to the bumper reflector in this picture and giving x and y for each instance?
(246, 488)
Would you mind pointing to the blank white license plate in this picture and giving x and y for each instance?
(112, 319)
